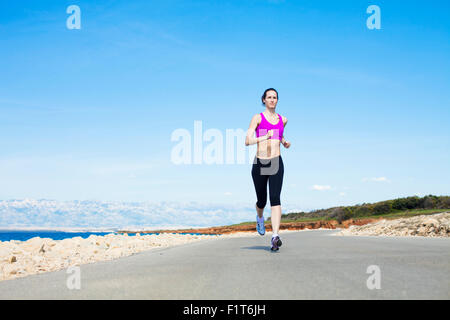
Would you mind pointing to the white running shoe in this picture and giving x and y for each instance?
(276, 243)
(260, 225)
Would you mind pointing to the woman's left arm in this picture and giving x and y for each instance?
(284, 142)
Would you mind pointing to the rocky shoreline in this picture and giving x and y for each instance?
(435, 226)
(38, 255)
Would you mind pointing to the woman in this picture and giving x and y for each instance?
(268, 164)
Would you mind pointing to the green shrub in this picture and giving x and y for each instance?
(381, 208)
(362, 211)
(340, 214)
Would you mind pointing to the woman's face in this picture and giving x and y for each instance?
(271, 99)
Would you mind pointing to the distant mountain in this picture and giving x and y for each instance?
(44, 213)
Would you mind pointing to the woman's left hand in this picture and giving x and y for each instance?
(286, 144)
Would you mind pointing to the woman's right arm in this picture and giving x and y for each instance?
(249, 139)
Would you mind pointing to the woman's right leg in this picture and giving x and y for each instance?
(259, 211)
(260, 183)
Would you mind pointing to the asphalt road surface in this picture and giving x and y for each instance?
(311, 264)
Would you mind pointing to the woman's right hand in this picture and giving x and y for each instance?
(269, 134)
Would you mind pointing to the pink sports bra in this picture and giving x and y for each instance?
(265, 126)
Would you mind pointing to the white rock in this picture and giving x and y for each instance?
(39, 255)
(426, 225)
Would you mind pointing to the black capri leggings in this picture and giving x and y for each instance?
(272, 170)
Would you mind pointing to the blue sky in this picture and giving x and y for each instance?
(88, 114)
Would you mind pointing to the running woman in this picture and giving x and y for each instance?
(268, 164)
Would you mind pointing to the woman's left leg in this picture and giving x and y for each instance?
(276, 218)
(275, 185)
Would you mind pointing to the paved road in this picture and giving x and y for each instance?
(310, 265)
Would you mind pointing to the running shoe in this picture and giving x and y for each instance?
(260, 226)
(276, 243)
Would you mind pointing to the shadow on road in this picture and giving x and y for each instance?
(266, 248)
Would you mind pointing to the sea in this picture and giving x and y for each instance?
(24, 235)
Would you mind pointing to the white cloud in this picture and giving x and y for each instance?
(321, 188)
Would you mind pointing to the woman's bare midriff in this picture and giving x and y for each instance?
(268, 149)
